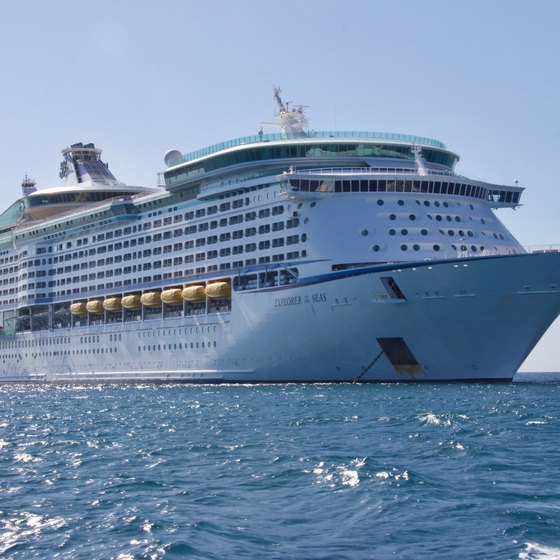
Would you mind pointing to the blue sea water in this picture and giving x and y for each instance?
(286, 471)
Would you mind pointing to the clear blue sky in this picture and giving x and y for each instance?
(139, 77)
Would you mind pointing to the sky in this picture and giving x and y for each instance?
(139, 77)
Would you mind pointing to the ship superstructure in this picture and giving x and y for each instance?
(294, 256)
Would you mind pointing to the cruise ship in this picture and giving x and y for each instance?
(295, 256)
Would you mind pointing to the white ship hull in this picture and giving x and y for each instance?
(465, 319)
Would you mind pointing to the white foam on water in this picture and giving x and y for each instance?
(434, 419)
(25, 526)
(26, 458)
(536, 551)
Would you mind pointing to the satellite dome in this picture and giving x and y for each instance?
(172, 155)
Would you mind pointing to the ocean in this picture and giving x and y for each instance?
(320, 471)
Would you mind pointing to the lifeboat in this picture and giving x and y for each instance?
(194, 293)
(131, 301)
(112, 303)
(78, 308)
(151, 299)
(219, 290)
(172, 296)
(95, 306)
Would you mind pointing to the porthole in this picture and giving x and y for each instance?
(392, 217)
(457, 218)
(448, 218)
(424, 232)
(400, 202)
(416, 247)
(482, 221)
(437, 247)
(446, 204)
(380, 203)
(365, 232)
(471, 206)
(404, 247)
(461, 233)
(412, 217)
(426, 203)
(391, 232)
(451, 232)
(404, 232)
(473, 248)
(470, 233)
(436, 203)
(375, 248)
(312, 205)
(463, 247)
(438, 218)
(306, 221)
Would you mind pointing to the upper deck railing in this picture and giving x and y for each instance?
(328, 134)
(542, 248)
(374, 171)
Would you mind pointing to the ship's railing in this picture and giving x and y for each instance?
(542, 248)
(374, 171)
(256, 138)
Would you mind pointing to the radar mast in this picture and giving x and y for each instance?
(291, 119)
